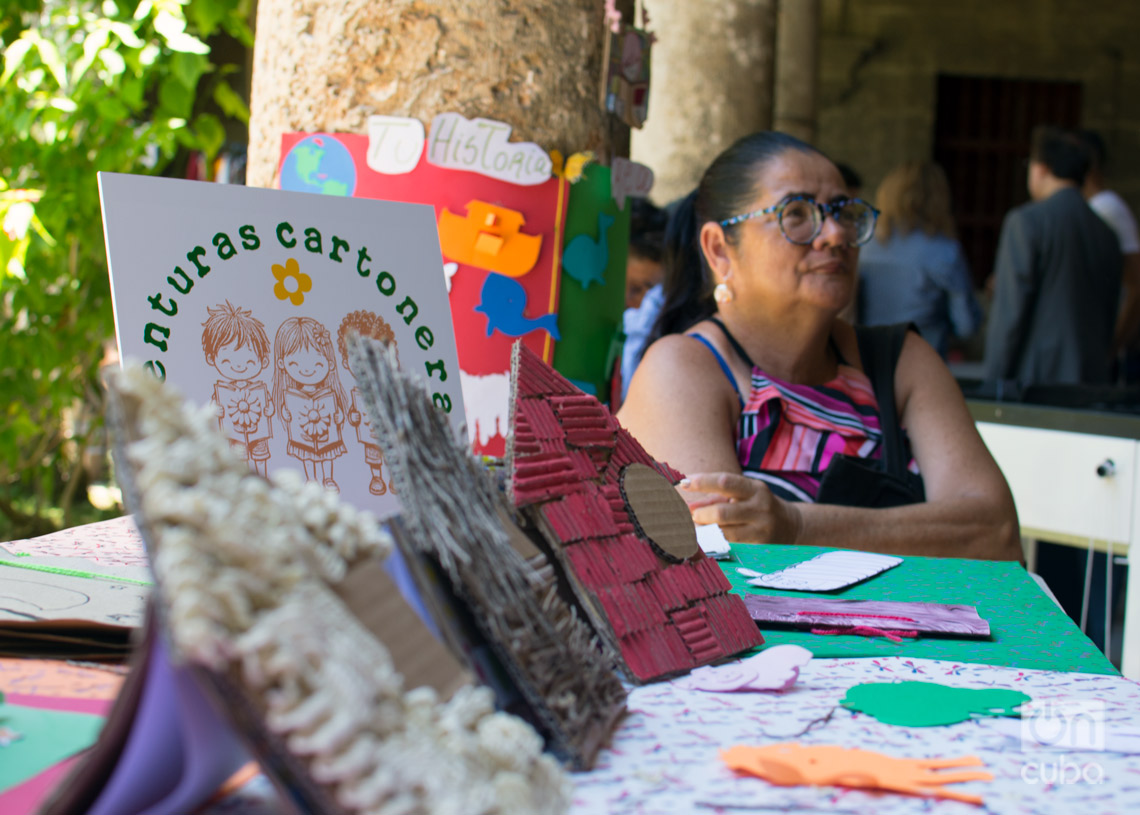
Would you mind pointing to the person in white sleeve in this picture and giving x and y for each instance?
(1116, 213)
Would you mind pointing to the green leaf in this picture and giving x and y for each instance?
(175, 99)
(172, 28)
(14, 55)
(125, 112)
(92, 44)
(50, 55)
(207, 15)
(230, 103)
(187, 44)
(239, 29)
(211, 134)
(189, 68)
(112, 61)
(112, 109)
(149, 54)
(126, 34)
(131, 91)
(64, 104)
(45, 236)
(169, 25)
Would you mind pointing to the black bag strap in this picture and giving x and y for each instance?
(879, 348)
(736, 346)
(739, 349)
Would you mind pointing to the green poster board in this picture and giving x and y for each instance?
(1027, 629)
(591, 299)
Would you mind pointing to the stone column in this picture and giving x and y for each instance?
(711, 83)
(797, 68)
(327, 65)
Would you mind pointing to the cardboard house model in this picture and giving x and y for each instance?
(494, 594)
(624, 538)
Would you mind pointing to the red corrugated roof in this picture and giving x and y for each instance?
(568, 456)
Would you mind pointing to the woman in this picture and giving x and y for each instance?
(915, 269)
(776, 381)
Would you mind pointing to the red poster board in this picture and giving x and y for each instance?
(482, 355)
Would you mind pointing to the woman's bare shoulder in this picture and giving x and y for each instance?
(684, 359)
(681, 407)
(676, 367)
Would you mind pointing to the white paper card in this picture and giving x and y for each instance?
(826, 572)
(713, 542)
(244, 299)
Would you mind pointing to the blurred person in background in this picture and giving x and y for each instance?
(914, 270)
(1115, 212)
(643, 269)
(1056, 276)
(653, 232)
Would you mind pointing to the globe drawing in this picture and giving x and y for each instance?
(319, 163)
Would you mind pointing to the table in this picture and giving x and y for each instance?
(1075, 480)
(664, 755)
(1028, 630)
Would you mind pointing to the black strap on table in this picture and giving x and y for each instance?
(879, 349)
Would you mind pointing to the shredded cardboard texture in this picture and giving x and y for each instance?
(648, 589)
(457, 518)
(248, 571)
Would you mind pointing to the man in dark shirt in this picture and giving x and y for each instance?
(1057, 276)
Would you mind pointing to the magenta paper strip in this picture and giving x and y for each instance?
(926, 618)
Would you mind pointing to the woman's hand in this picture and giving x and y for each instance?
(743, 508)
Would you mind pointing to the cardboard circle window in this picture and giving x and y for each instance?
(660, 515)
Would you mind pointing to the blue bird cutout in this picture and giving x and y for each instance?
(503, 300)
(585, 259)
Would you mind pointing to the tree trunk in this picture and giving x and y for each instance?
(327, 65)
(711, 84)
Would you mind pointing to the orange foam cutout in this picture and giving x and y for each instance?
(489, 237)
(791, 764)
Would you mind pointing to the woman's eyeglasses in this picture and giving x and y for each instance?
(801, 218)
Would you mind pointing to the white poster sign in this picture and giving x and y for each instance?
(245, 298)
(395, 144)
(482, 146)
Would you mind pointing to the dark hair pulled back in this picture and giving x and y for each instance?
(727, 188)
(1062, 151)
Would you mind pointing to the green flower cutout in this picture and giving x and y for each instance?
(291, 283)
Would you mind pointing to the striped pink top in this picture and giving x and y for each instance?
(788, 434)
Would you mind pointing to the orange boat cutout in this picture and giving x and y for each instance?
(489, 238)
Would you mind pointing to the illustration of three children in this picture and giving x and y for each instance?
(305, 393)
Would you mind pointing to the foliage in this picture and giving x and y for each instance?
(87, 86)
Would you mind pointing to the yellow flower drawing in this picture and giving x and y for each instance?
(284, 289)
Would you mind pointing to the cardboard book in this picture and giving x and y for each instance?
(520, 633)
(278, 633)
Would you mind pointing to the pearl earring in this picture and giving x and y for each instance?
(723, 294)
